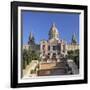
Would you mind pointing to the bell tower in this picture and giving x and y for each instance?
(74, 40)
(31, 39)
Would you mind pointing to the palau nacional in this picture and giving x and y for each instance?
(54, 56)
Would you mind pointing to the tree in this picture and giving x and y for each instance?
(26, 57)
(33, 55)
(74, 55)
(29, 55)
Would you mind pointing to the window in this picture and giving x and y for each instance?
(48, 53)
(58, 47)
(63, 48)
(43, 47)
(48, 47)
(54, 47)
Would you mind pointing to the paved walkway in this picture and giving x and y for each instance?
(30, 67)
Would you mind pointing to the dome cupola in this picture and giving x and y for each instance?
(53, 33)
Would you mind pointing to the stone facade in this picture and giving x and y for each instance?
(26, 46)
(72, 47)
(31, 44)
(54, 47)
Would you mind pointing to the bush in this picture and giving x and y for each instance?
(32, 71)
(74, 55)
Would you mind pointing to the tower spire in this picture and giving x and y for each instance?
(31, 39)
(53, 25)
(74, 40)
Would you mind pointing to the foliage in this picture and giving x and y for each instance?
(74, 55)
(29, 55)
(25, 58)
(32, 71)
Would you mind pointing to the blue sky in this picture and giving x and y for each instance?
(39, 23)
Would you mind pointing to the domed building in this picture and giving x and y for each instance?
(50, 52)
(54, 48)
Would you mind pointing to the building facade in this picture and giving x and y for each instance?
(73, 45)
(31, 44)
(54, 48)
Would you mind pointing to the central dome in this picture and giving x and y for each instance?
(53, 33)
